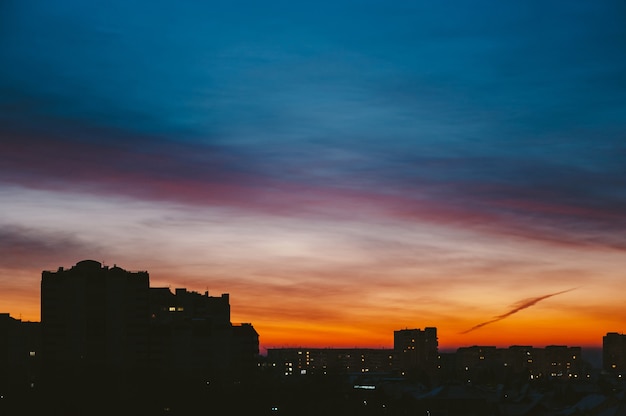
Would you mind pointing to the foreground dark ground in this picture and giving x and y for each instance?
(269, 394)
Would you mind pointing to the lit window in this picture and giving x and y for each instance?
(31, 354)
(172, 308)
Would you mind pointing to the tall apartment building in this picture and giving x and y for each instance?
(614, 352)
(106, 321)
(417, 350)
(94, 318)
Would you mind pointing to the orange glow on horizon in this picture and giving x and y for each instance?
(533, 329)
(298, 303)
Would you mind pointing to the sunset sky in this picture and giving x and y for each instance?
(341, 168)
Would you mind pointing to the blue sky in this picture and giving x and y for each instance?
(501, 119)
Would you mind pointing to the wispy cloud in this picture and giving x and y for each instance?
(24, 247)
(516, 307)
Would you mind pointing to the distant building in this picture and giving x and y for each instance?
(417, 350)
(19, 353)
(324, 361)
(415, 353)
(522, 359)
(486, 364)
(479, 364)
(614, 353)
(561, 361)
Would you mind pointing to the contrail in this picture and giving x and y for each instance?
(518, 306)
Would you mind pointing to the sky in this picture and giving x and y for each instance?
(342, 168)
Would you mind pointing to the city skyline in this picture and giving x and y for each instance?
(111, 338)
(410, 333)
(341, 169)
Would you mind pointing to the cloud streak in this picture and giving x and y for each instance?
(516, 307)
(442, 192)
(26, 248)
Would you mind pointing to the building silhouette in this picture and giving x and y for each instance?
(106, 322)
(415, 354)
(417, 350)
(331, 361)
(108, 343)
(19, 353)
(94, 319)
(191, 334)
(484, 364)
(614, 353)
